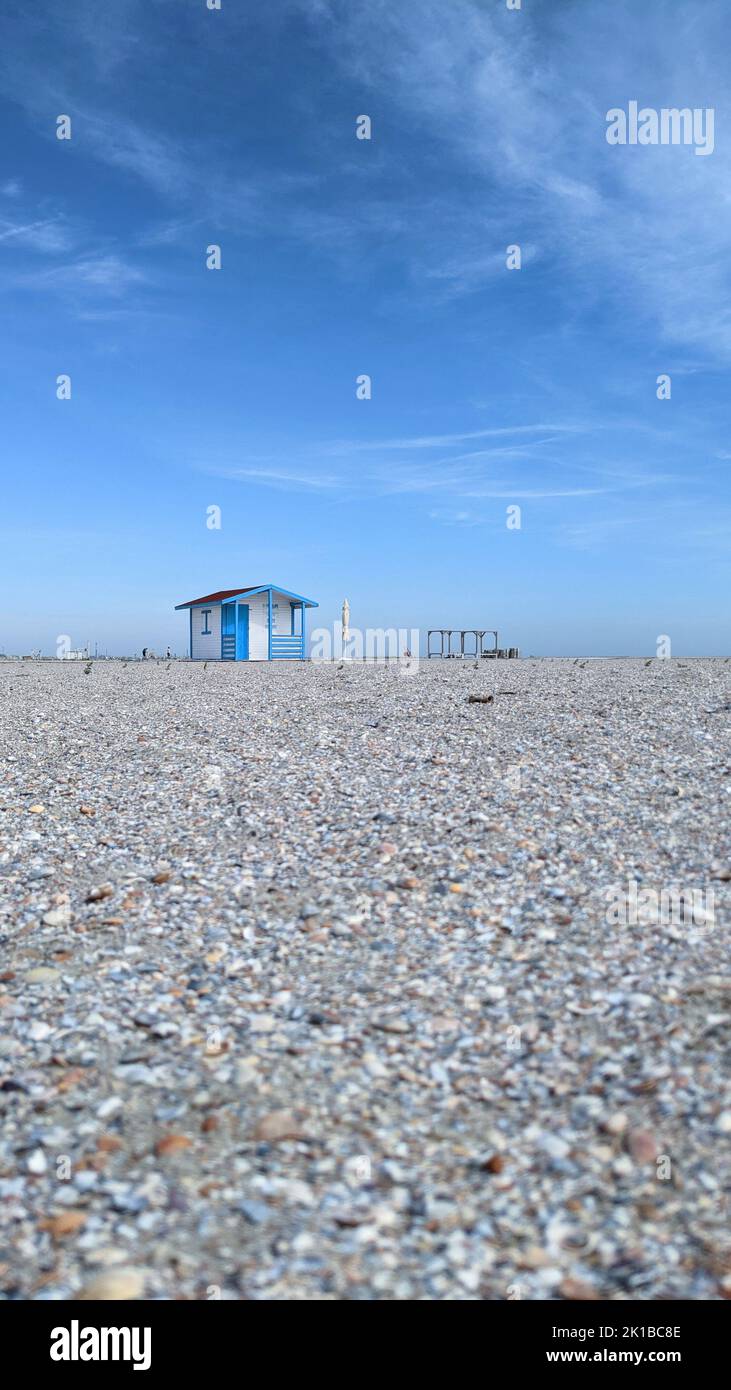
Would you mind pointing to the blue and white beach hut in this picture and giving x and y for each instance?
(258, 623)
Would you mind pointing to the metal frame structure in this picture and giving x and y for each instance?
(478, 633)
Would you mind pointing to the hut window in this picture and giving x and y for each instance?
(205, 630)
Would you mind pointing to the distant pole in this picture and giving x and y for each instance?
(346, 625)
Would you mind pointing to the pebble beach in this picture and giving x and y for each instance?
(328, 981)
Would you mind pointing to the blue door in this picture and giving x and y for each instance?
(242, 633)
(228, 632)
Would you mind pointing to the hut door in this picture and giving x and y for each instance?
(242, 633)
(228, 632)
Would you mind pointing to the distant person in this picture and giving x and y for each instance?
(144, 653)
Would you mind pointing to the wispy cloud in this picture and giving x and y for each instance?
(110, 275)
(75, 264)
(44, 234)
(442, 441)
(538, 494)
(456, 518)
(527, 473)
(277, 478)
(595, 534)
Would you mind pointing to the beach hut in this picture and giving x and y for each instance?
(258, 623)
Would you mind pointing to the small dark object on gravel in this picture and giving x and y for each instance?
(480, 699)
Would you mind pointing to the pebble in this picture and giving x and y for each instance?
(374, 1066)
(554, 1146)
(105, 1255)
(616, 1124)
(263, 1023)
(255, 1212)
(109, 1107)
(577, 1291)
(99, 891)
(38, 1032)
(640, 1001)
(642, 1146)
(114, 1284)
(279, 1125)
(67, 1223)
(171, 1144)
(57, 917)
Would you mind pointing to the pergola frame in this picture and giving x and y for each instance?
(479, 634)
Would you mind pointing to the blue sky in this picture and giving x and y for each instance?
(490, 388)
